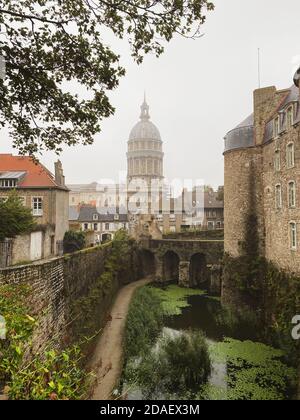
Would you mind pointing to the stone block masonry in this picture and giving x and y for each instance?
(55, 285)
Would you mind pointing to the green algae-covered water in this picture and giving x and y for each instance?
(242, 367)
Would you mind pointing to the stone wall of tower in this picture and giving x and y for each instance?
(250, 186)
(277, 221)
(242, 197)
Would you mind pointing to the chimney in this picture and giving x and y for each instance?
(59, 174)
(265, 104)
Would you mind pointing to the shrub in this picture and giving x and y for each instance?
(177, 368)
(73, 241)
(15, 219)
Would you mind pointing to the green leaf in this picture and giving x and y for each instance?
(52, 385)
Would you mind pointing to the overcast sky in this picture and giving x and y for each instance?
(197, 91)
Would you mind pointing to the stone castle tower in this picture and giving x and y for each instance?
(262, 167)
(145, 155)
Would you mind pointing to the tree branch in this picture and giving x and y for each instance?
(33, 17)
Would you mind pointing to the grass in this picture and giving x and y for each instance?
(144, 322)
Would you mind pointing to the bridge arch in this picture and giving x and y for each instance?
(148, 262)
(171, 262)
(198, 272)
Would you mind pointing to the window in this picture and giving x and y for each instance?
(106, 226)
(290, 155)
(278, 196)
(86, 226)
(293, 235)
(276, 127)
(290, 117)
(37, 206)
(95, 216)
(95, 226)
(277, 162)
(116, 217)
(292, 194)
(8, 183)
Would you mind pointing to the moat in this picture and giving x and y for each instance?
(242, 367)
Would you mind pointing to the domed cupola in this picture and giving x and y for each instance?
(145, 155)
(145, 129)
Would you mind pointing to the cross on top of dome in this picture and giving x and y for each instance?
(145, 116)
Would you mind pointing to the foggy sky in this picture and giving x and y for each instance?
(197, 91)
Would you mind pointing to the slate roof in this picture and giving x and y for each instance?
(292, 96)
(86, 214)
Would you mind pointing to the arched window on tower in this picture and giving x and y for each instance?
(277, 161)
(292, 194)
(290, 155)
(293, 236)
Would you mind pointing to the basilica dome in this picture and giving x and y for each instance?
(145, 129)
(145, 149)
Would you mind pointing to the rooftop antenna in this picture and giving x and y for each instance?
(259, 69)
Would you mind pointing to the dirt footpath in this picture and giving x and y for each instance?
(107, 359)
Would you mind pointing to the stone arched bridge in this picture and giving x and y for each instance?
(190, 263)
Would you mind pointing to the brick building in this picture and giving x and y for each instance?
(48, 198)
(262, 177)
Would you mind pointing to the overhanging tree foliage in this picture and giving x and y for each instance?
(49, 43)
(15, 219)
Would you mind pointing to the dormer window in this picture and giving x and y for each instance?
(8, 183)
(276, 127)
(290, 117)
(95, 216)
(10, 179)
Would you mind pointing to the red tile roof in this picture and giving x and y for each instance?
(37, 176)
